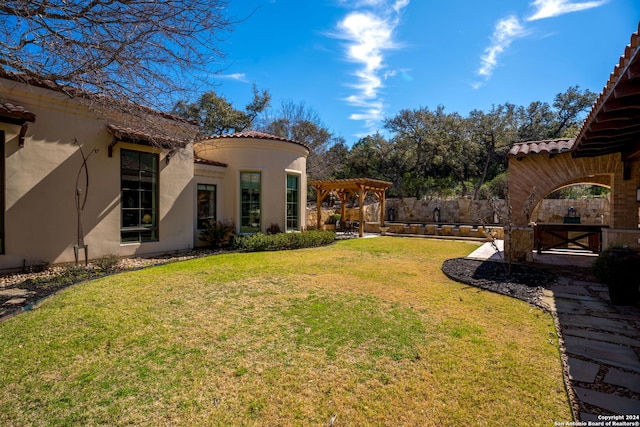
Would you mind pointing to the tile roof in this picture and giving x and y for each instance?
(549, 147)
(257, 135)
(79, 93)
(138, 136)
(18, 112)
(612, 123)
(202, 161)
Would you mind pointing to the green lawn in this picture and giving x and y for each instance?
(368, 329)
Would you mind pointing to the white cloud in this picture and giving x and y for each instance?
(553, 8)
(509, 29)
(369, 35)
(242, 77)
(506, 31)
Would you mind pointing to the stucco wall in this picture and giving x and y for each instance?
(274, 159)
(40, 209)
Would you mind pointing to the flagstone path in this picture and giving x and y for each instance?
(600, 342)
(601, 346)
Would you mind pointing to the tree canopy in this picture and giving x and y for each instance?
(424, 153)
(216, 115)
(300, 123)
(139, 51)
(433, 153)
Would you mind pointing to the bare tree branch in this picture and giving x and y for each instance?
(140, 50)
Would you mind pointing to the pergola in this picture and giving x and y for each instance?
(344, 188)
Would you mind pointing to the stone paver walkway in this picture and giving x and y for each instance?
(601, 342)
(601, 346)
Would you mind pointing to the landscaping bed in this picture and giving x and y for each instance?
(523, 282)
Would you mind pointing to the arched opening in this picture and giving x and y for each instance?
(585, 203)
(571, 217)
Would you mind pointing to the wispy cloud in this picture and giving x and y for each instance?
(553, 8)
(369, 35)
(506, 31)
(241, 77)
(510, 28)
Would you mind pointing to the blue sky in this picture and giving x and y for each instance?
(356, 62)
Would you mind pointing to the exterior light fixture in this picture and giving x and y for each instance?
(572, 212)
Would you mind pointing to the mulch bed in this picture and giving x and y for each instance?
(522, 281)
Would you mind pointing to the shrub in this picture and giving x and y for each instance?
(617, 268)
(281, 241)
(218, 234)
(69, 275)
(108, 262)
(615, 264)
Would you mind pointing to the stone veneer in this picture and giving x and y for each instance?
(467, 211)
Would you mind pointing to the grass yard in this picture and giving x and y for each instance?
(367, 329)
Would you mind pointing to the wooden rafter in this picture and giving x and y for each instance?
(612, 125)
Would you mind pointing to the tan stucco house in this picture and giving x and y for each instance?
(260, 180)
(147, 192)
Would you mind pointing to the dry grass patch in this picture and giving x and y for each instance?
(368, 329)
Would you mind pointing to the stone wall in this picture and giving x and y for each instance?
(458, 211)
(590, 211)
(467, 211)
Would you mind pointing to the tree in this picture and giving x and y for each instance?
(536, 121)
(438, 145)
(539, 121)
(495, 132)
(297, 122)
(216, 116)
(364, 160)
(138, 51)
(571, 106)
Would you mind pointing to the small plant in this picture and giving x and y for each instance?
(37, 267)
(274, 229)
(218, 234)
(69, 275)
(333, 218)
(107, 263)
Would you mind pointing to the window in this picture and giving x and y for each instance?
(2, 184)
(293, 202)
(250, 188)
(139, 184)
(206, 204)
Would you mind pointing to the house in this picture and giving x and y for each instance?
(258, 181)
(606, 152)
(82, 178)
